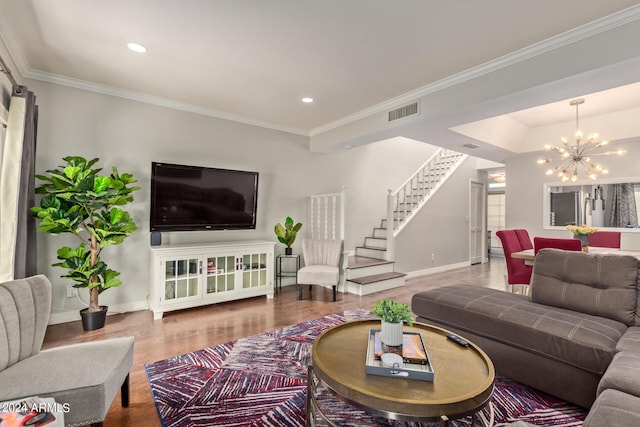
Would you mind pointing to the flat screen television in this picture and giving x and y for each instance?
(185, 198)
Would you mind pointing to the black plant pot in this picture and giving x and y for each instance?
(288, 251)
(93, 321)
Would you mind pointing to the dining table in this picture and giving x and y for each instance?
(529, 256)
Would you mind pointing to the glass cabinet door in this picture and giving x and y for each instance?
(254, 270)
(220, 274)
(180, 279)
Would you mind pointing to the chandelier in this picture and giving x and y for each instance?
(578, 156)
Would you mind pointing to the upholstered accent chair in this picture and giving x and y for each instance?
(321, 264)
(605, 239)
(518, 273)
(555, 243)
(85, 376)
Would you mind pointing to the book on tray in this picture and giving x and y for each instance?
(412, 349)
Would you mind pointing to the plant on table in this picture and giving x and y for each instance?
(77, 200)
(287, 233)
(582, 230)
(393, 312)
(393, 315)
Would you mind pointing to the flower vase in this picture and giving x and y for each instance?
(391, 333)
(585, 242)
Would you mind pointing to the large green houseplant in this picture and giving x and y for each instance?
(287, 233)
(77, 200)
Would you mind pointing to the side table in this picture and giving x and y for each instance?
(280, 273)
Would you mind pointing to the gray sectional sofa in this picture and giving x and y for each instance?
(577, 336)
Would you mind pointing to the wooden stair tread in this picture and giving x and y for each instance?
(363, 261)
(377, 278)
(371, 247)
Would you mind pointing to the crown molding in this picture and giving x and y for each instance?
(25, 71)
(561, 40)
(572, 36)
(155, 100)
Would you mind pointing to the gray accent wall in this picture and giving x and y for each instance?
(131, 134)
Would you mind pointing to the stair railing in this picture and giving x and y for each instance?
(327, 215)
(415, 191)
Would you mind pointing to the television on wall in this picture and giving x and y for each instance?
(187, 198)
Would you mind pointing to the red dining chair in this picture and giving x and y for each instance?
(550, 242)
(523, 238)
(605, 239)
(518, 273)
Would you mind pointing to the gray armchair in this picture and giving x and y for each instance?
(322, 264)
(86, 376)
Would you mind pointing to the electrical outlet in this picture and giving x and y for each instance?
(433, 257)
(71, 291)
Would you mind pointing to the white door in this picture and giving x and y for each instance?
(476, 222)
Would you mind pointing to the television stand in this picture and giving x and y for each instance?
(192, 275)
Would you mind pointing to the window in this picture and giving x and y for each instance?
(495, 216)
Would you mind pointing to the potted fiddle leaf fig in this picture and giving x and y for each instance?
(78, 200)
(392, 315)
(287, 233)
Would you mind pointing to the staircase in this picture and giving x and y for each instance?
(372, 269)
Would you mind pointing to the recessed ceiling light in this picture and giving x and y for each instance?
(137, 47)
(307, 100)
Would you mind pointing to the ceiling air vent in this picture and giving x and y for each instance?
(470, 145)
(402, 112)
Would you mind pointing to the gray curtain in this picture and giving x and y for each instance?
(623, 206)
(17, 182)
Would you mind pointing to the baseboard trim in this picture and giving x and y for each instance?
(74, 315)
(438, 269)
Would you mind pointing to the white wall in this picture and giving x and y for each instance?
(131, 135)
(441, 228)
(524, 191)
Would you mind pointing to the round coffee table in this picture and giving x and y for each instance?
(462, 385)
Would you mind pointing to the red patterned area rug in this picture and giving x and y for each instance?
(261, 381)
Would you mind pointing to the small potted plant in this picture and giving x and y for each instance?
(287, 233)
(392, 315)
(77, 200)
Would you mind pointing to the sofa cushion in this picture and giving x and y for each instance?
(623, 374)
(630, 341)
(614, 408)
(578, 339)
(601, 285)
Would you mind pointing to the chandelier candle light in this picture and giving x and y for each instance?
(573, 157)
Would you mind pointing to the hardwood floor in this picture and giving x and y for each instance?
(188, 330)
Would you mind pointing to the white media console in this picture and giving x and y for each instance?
(191, 275)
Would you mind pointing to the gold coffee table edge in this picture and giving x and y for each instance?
(374, 402)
